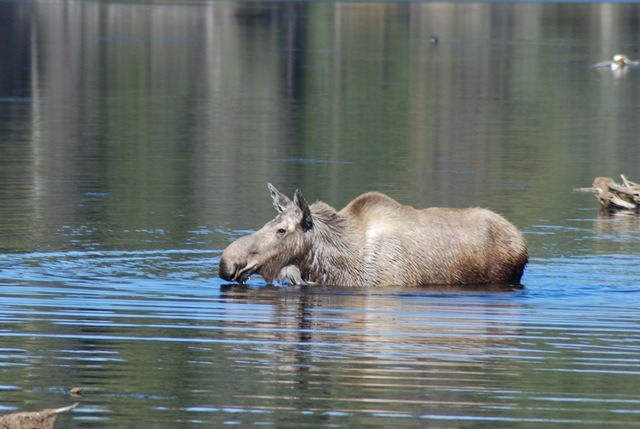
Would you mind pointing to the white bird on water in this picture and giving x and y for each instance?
(619, 61)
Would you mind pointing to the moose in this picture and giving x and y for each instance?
(376, 241)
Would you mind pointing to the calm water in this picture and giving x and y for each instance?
(136, 141)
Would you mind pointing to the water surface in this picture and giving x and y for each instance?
(136, 141)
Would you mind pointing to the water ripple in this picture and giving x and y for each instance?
(398, 355)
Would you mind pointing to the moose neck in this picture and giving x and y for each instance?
(333, 257)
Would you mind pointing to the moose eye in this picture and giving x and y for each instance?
(281, 232)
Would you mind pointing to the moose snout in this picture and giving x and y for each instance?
(227, 270)
(234, 271)
(238, 261)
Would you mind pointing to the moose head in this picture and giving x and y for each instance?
(275, 250)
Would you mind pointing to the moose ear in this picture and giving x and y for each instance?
(307, 220)
(280, 201)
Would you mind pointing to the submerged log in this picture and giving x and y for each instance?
(613, 196)
(33, 419)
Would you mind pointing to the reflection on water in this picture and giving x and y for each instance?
(136, 141)
(152, 344)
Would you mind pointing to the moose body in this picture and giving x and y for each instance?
(376, 241)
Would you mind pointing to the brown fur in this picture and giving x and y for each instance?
(376, 241)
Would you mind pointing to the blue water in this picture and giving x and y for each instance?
(562, 350)
(136, 141)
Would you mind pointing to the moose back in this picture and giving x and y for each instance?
(376, 241)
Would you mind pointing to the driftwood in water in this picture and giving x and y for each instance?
(33, 419)
(613, 196)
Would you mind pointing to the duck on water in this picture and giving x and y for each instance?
(619, 61)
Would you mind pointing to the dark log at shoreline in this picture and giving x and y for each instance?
(614, 196)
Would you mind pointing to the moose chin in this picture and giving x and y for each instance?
(376, 241)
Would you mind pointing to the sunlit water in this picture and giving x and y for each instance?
(179, 347)
(129, 162)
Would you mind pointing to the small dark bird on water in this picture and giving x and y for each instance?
(433, 39)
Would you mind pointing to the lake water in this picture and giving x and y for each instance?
(136, 141)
